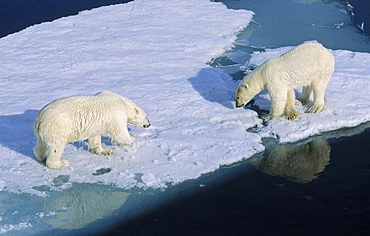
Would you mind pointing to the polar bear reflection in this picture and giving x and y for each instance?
(299, 164)
(76, 207)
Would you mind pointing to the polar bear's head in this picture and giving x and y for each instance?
(138, 117)
(135, 115)
(243, 95)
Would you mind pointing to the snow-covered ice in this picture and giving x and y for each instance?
(155, 53)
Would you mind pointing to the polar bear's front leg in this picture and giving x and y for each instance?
(278, 103)
(53, 160)
(40, 150)
(96, 148)
(122, 136)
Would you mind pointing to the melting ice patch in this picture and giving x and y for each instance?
(11, 227)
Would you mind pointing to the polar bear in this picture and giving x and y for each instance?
(309, 65)
(73, 119)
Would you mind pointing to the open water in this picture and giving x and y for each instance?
(272, 193)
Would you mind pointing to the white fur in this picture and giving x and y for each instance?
(73, 119)
(309, 65)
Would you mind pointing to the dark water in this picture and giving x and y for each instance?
(362, 14)
(335, 202)
(321, 187)
(16, 15)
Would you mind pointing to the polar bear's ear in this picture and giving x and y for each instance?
(245, 86)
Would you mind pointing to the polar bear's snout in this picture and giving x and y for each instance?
(146, 124)
(241, 102)
(238, 105)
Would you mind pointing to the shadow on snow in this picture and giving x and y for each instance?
(215, 86)
(17, 132)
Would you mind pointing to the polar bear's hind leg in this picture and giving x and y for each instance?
(96, 148)
(316, 108)
(319, 103)
(290, 112)
(305, 98)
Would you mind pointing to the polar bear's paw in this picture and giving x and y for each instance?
(102, 152)
(291, 114)
(106, 152)
(57, 165)
(316, 108)
(301, 102)
(129, 141)
(298, 103)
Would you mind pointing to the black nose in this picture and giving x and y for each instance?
(146, 126)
